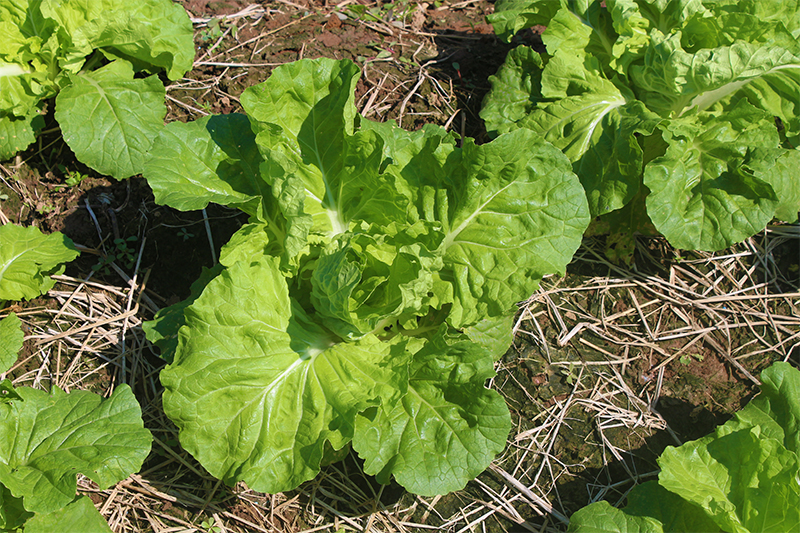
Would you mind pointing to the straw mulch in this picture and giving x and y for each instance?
(739, 306)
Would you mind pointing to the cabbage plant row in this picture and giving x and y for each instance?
(368, 297)
(680, 113)
(99, 59)
(743, 478)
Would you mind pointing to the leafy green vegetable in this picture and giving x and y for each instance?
(651, 509)
(12, 513)
(510, 16)
(670, 104)
(124, 115)
(742, 478)
(52, 49)
(163, 329)
(28, 259)
(45, 439)
(78, 515)
(48, 438)
(283, 372)
(50, 435)
(369, 295)
(11, 338)
(186, 159)
(16, 134)
(443, 427)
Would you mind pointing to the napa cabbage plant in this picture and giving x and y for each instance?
(100, 60)
(371, 292)
(743, 478)
(685, 113)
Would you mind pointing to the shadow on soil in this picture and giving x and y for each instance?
(119, 221)
(465, 62)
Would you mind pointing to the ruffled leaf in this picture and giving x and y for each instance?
(445, 430)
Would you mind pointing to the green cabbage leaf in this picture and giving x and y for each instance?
(78, 515)
(443, 428)
(28, 258)
(48, 438)
(12, 338)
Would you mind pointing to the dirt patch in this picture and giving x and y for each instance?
(451, 50)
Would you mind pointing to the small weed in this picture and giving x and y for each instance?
(73, 177)
(212, 30)
(215, 29)
(122, 253)
(395, 13)
(570, 376)
(687, 358)
(208, 525)
(184, 234)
